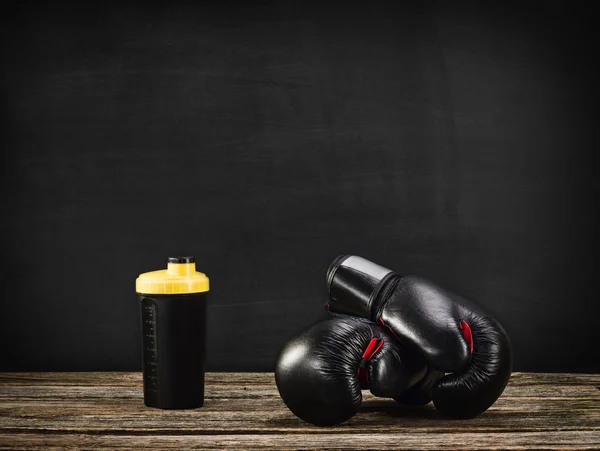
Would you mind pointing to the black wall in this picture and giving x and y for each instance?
(451, 142)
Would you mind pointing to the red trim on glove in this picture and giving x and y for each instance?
(379, 345)
(466, 331)
(389, 328)
(369, 351)
(372, 348)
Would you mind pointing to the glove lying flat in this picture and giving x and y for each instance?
(320, 373)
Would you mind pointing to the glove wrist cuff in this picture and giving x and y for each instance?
(353, 284)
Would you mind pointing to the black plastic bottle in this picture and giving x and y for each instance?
(173, 304)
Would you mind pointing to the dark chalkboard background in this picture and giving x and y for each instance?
(455, 143)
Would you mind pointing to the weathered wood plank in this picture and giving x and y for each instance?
(135, 379)
(273, 417)
(582, 440)
(120, 379)
(244, 410)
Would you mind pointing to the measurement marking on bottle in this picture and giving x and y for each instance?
(150, 346)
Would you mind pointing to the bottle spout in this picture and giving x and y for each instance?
(181, 266)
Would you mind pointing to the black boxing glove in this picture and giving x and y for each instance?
(320, 373)
(452, 334)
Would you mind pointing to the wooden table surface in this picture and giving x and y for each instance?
(244, 411)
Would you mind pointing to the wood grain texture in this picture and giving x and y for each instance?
(244, 410)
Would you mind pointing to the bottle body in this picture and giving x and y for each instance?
(174, 349)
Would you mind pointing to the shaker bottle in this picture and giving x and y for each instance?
(173, 303)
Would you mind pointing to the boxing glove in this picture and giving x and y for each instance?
(452, 334)
(320, 373)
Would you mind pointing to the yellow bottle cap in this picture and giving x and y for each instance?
(180, 277)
